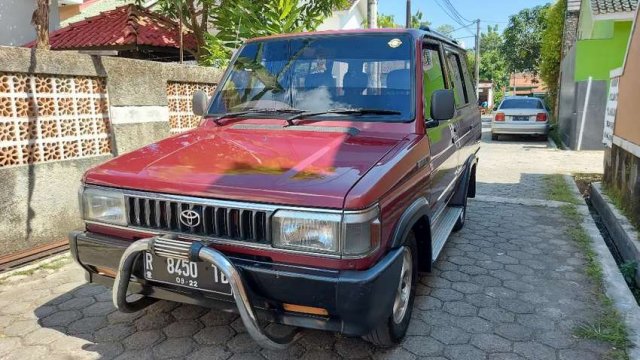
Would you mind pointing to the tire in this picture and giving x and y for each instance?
(494, 137)
(544, 137)
(393, 329)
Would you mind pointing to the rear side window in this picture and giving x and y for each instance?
(469, 81)
(457, 80)
(521, 104)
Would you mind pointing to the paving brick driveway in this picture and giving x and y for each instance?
(509, 286)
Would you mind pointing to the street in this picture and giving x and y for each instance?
(510, 285)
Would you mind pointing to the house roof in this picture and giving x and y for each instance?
(127, 26)
(527, 82)
(602, 7)
(94, 8)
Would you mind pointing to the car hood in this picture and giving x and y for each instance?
(302, 165)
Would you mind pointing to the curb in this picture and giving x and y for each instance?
(615, 286)
(35, 265)
(622, 232)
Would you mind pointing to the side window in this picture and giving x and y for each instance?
(433, 76)
(469, 81)
(457, 81)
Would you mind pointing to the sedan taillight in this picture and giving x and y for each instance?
(499, 117)
(541, 117)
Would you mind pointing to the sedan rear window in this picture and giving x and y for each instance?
(521, 104)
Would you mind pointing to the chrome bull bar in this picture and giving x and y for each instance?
(195, 252)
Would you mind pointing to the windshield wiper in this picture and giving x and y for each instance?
(358, 112)
(255, 111)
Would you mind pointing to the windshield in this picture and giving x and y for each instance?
(521, 104)
(321, 73)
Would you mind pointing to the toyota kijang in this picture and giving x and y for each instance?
(327, 172)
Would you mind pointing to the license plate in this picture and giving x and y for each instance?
(181, 272)
(520, 118)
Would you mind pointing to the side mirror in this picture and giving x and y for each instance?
(199, 103)
(442, 105)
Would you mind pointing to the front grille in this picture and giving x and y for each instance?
(214, 221)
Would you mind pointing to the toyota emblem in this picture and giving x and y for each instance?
(190, 218)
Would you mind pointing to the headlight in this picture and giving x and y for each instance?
(103, 205)
(349, 233)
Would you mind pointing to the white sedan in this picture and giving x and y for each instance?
(521, 115)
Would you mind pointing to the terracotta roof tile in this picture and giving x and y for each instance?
(127, 25)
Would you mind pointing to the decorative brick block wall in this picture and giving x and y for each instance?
(62, 113)
(48, 118)
(179, 95)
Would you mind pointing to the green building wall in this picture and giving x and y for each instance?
(596, 57)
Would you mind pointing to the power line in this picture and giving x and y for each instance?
(455, 11)
(449, 14)
(460, 28)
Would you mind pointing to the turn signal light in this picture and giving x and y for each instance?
(499, 117)
(305, 309)
(541, 117)
(106, 272)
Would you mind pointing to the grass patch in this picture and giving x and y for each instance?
(53, 265)
(554, 134)
(608, 326)
(557, 189)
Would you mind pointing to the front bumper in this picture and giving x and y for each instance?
(520, 129)
(356, 301)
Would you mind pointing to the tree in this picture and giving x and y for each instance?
(237, 20)
(445, 29)
(384, 21)
(523, 38)
(40, 20)
(493, 65)
(195, 14)
(417, 22)
(551, 49)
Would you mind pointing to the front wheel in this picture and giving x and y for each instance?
(391, 331)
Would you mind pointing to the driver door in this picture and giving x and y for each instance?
(442, 144)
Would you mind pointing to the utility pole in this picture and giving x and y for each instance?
(408, 24)
(478, 58)
(372, 14)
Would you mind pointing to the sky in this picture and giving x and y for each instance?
(490, 12)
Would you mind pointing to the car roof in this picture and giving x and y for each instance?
(522, 98)
(415, 33)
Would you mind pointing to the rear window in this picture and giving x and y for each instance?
(521, 104)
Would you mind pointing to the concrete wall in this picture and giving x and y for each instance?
(597, 57)
(571, 107)
(622, 179)
(15, 21)
(567, 97)
(41, 198)
(593, 119)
